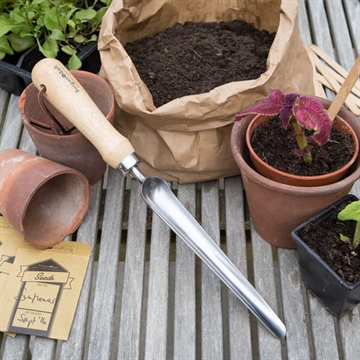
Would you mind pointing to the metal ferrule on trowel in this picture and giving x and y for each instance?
(129, 166)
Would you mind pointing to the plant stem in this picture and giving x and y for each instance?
(356, 241)
(301, 139)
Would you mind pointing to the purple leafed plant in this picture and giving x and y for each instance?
(303, 112)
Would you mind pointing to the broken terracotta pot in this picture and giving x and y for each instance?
(54, 136)
(44, 201)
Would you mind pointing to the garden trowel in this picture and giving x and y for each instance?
(66, 94)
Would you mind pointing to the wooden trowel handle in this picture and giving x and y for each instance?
(66, 94)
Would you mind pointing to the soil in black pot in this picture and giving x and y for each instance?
(324, 239)
(274, 144)
(195, 58)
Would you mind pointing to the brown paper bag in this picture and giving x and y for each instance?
(188, 139)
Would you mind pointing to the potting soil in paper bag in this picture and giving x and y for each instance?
(188, 138)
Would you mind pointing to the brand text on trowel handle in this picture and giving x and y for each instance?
(67, 77)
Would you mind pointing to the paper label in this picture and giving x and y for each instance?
(40, 288)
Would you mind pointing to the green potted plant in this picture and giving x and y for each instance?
(277, 207)
(31, 30)
(329, 256)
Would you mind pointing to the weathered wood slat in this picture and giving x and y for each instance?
(356, 189)
(352, 10)
(239, 318)
(295, 315)
(321, 31)
(105, 290)
(323, 330)
(26, 143)
(4, 100)
(264, 277)
(132, 294)
(185, 287)
(44, 348)
(11, 130)
(349, 333)
(211, 308)
(88, 231)
(304, 24)
(16, 348)
(158, 293)
(340, 34)
(320, 27)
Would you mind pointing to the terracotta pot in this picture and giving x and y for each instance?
(290, 179)
(276, 208)
(72, 150)
(44, 201)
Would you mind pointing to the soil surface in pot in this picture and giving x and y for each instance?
(323, 238)
(195, 58)
(274, 144)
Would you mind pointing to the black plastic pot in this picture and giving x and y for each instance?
(332, 291)
(15, 71)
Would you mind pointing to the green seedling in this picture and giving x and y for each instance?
(302, 112)
(53, 25)
(351, 212)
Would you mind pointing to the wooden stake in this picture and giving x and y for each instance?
(344, 90)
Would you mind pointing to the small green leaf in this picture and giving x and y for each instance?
(344, 238)
(26, 33)
(79, 39)
(49, 48)
(51, 21)
(20, 44)
(71, 23)
(30, 15)
(101, 12)
(70, 50)
(19, 18)
(87, 14)
(62, 21)
(57, 34)
(70, 13)
(2, 55)
(37, 2)
(6, 25)
(74, 63)
(5, 46)
(351, 212)
(93, 37)
(41, 21)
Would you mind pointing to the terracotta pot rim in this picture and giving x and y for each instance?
(297, 178)
(83, 73)
(289, 189)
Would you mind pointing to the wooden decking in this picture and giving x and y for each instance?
(147, 296)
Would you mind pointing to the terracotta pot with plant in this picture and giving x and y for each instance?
(329, 256)
(281, 150)
(278, 201)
